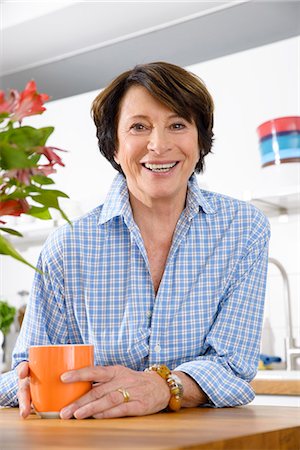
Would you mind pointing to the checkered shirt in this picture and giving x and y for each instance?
(205, 319)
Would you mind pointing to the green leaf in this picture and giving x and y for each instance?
(11, 181)
(41, 213)
(11, 231)
(32, 188)
(41, 179)
(4, 115)
(17, 194)
(45, 133)
(28, 137)
(35, 157)
(49, 198)
(14, 158)
(7, 249)
(56, 193)
(64, 216)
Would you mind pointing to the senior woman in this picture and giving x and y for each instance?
(165, 279)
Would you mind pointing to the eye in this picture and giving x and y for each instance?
(178, 126)
(138, 127)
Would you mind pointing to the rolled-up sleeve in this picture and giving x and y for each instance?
(8, 388)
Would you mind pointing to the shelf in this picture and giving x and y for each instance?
(277, 190)
(278, 205)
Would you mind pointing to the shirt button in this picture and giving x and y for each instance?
(157, 348)
(149, 314)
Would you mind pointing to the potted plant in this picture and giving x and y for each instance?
(25, 164)
(7, 315)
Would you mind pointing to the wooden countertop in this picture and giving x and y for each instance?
(242, 428)
(275, 387)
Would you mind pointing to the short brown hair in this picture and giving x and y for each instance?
(180, 90)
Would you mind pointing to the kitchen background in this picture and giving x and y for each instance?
(249, 87)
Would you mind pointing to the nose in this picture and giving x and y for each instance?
(159, 141)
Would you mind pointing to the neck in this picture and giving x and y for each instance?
(157, 219)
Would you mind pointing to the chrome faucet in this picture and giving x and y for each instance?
(291, 350)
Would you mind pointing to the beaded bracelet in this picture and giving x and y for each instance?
(174, 384)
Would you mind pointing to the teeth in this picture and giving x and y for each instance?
(160, 167)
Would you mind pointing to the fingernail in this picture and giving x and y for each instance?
(77, 415)
(66, 377)
(66, 413)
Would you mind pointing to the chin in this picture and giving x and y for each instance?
(161, 194)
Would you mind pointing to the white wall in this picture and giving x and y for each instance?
(249, 88)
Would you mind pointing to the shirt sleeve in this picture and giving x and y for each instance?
(8, 389)
(232, 345)
(44, 321)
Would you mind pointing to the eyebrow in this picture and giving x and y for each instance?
(142, 116)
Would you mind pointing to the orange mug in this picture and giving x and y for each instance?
(46, 364)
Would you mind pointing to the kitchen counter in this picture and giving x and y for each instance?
(242, 428)
(277, 382)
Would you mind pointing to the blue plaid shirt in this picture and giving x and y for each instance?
(205, 319)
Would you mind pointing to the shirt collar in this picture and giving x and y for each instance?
(117, 200)
(196, 199)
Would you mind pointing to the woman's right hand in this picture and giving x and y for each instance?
(24, 390)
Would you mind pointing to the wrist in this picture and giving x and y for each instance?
(193, 394)
(173, 382)
(160, 387)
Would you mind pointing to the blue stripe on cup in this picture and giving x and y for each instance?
(283, 154)
(280, 146)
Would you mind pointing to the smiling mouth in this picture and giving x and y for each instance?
(159, 168)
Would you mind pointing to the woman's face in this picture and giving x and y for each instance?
(157, 149)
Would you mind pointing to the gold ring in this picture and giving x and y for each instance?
(125, 394)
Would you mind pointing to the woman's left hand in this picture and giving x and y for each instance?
(148, 393)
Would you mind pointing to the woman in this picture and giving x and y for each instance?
(164, 276)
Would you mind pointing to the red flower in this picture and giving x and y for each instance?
(8, 106)
(30, 102)
(46, 169)
(13, 207)
(52, 157)
(24, 175)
